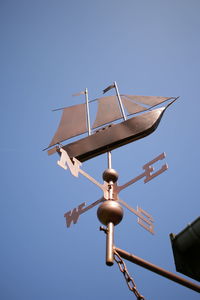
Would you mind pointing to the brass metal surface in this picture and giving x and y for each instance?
(75, 121)
(110, 211)
(111, 190)
(110, 175)
(148, 100)
(70, 126)
(132, 107)
(147, 265)
(115, 136)
(108, 111)
(110, 244)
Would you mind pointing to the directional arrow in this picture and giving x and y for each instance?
(111, 190)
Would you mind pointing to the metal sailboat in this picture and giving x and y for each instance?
(103, 135)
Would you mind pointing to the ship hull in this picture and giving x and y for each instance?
(115, 135)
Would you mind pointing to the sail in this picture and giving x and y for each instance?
(108, 111)
(108, 107)
(131, 107)
(147, 100)
(72, 123)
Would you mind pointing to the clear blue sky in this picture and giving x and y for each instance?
(50, 50)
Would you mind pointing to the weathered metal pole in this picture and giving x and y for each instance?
(120, 101)
(109, 155)
(110, 213)
(110, 244)
(88, 111)
(110, 225)
(147, 265)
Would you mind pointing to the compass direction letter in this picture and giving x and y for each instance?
(149, 169)
(147, 173)
(65, 162)
(75, 169)
(73, 215)
(145, 220)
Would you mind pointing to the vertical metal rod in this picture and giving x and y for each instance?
(109, 244)
(88, 111)
(110, 226)
(120, 101)
(109, 160)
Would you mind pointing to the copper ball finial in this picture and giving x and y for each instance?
(110, 175)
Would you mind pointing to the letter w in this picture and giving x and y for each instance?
(73, 215)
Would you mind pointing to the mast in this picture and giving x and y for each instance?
(109, 156)
(120, 101)
(88, 111)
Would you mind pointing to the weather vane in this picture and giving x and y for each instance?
(134, 118)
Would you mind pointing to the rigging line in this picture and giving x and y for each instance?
(170, 98)
(153, 106)
(61, 108)
(147, 105)
(93, 100)
(97, 96)
(96, 99)
(59, 145)
(134, 101)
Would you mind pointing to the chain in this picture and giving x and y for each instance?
(129, 280)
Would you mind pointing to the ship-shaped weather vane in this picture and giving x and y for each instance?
(120, 119)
